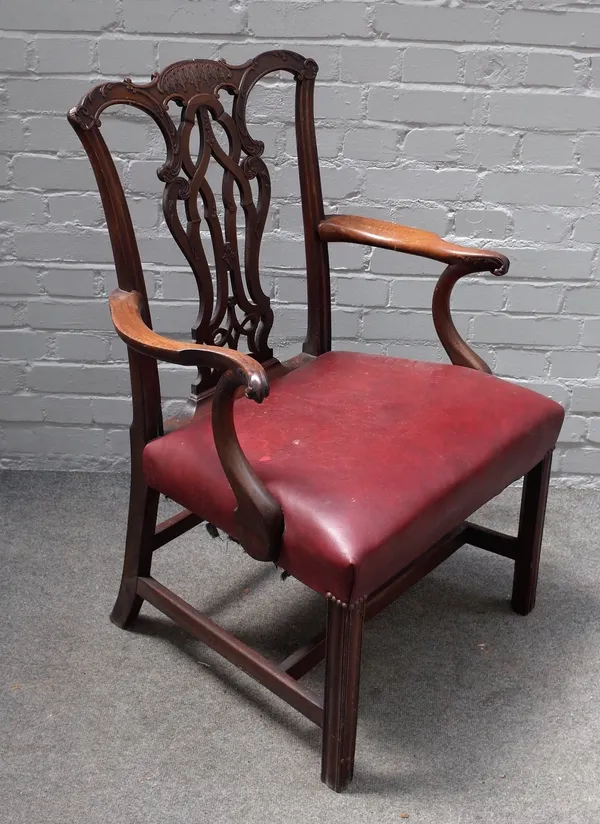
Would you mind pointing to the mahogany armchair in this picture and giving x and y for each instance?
(357, 472)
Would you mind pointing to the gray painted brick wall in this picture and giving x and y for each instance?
(480, 122)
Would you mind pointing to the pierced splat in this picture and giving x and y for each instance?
(232, 305)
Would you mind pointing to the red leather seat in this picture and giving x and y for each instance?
(372, 459)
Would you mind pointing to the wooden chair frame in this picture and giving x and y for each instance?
(223, 371)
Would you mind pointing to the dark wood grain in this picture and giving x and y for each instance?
(385, 235)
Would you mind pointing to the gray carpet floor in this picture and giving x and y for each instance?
(469, 713)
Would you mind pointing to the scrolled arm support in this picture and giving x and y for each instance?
(258, 514)
(457, 349)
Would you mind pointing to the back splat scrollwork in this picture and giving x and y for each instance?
(232, 304)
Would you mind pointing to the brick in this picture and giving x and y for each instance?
(172, 50)
(57, 16)
(478, 296)
(22, 208)
(590, 151)
(12, 54)
(53, 173)
(68, 410)
(291, 289)
(430, 65)
(371, 144)
(9, 314)
(51, 134)
(173, 318)
(106, 379)
(10, 377)
(538, 187)
(20, 407)
(475, 223)
(11, 134)
(425, 184)
(488, 149)
(467, 296)
(520, 363)
(541, 111)
(529, 298)
(385, 262)
(326, 56)
(142, 177)
(181, 16)
(63, 55)
(548, 150)
(596, 72)
(409, 22)
(329, 141)
(591, 333)
(583, 300)
(275, 19)
(64, 314)
(62, 440)
(582, 461)
(128, 56)
(428, 106)
(412, 293)
(594, 430)
(573, 430)
(587, 229)
(358, 346)
(339, 103)
(85, 246)
(340, 182)
(431, 353)
(496, 68)
(551, 29)
(124, 135)
(23, 345)
(533, 331)
(111, 410)
(586, 399)
(361, 291)
(291, 322)
(118, 441)
(573, 264)
(545, 226)
(555, 391)
(81, 209)
(431, 144)
(347, 256)
(18, 280)
(179, 286)
(434, 219)
(369, 63)
(381, 324)
(77, 283)
(45, 94)
(546, 69)
(574, 364)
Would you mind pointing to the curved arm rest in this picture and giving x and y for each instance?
(381, 233)
(126, 313)
(461, 261)
(258, 514)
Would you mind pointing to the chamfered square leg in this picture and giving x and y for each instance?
(342, 676)
(531, 529)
